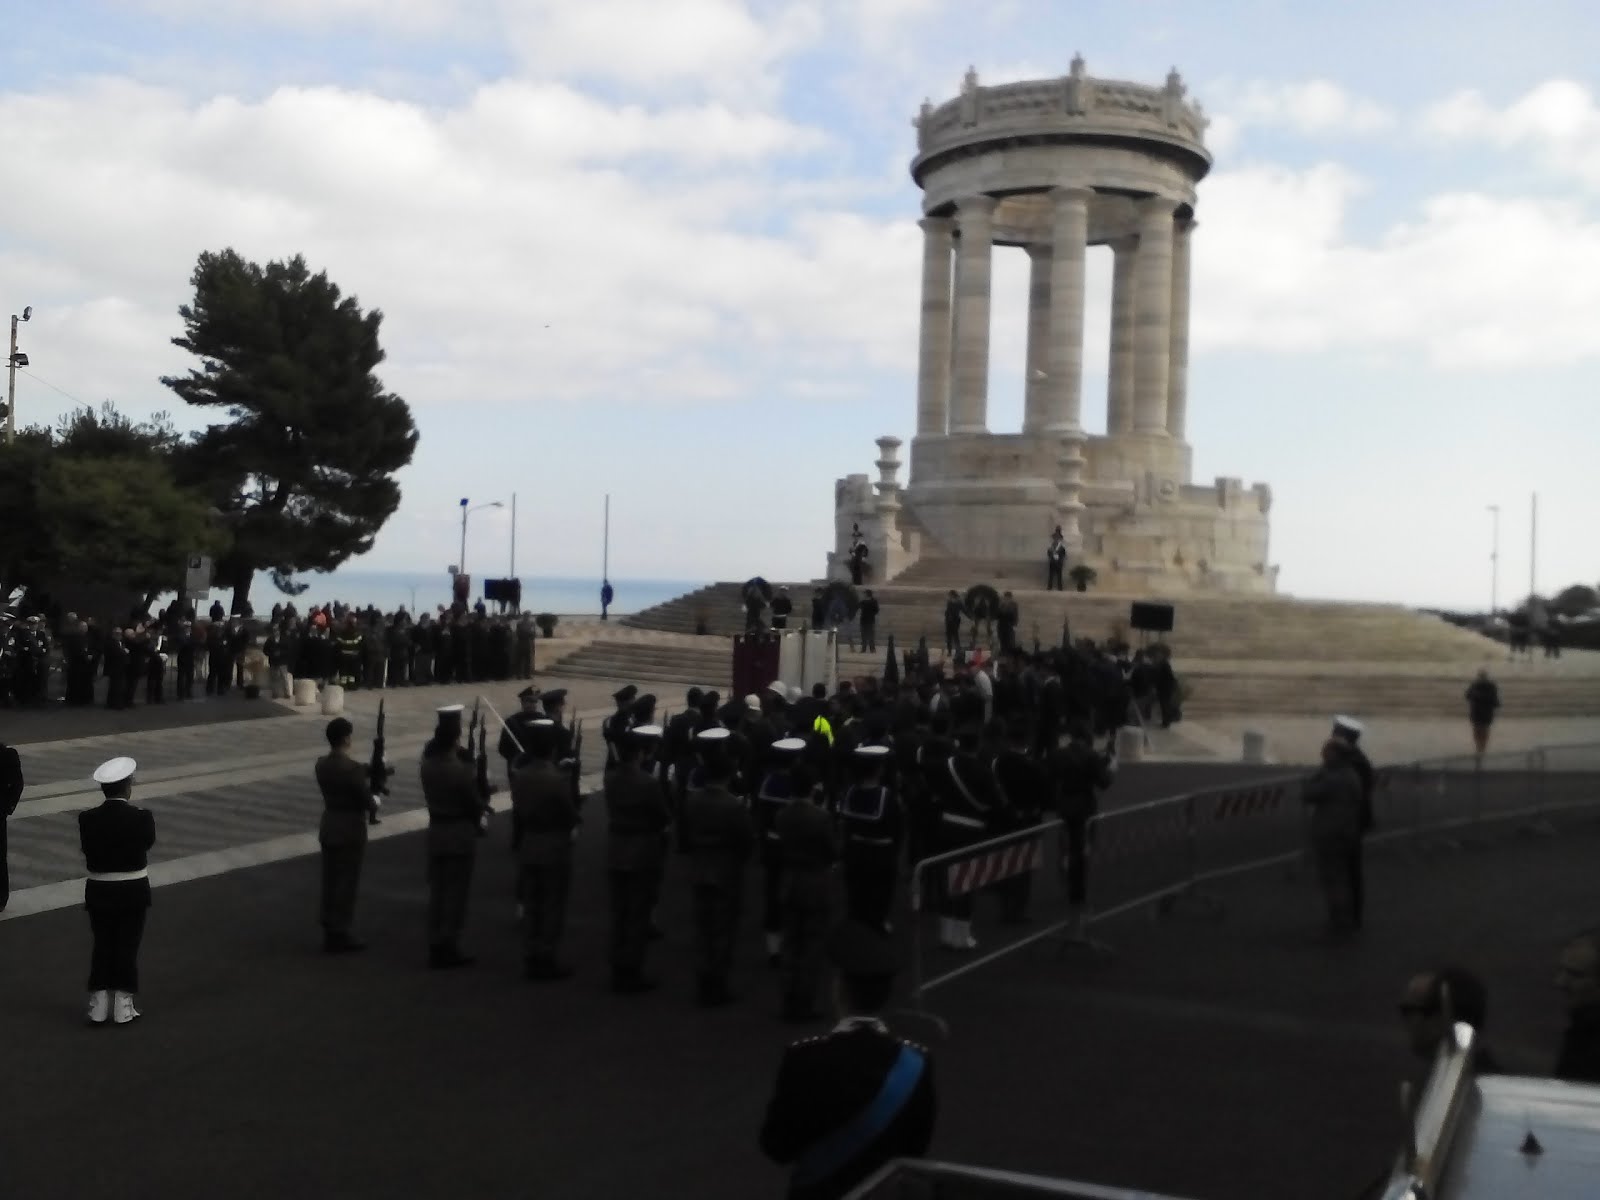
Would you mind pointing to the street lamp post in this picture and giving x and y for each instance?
(12, 363)
(1494, 564)
(461, 564)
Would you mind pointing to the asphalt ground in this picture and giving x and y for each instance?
(55, 720)
(1214, 1056)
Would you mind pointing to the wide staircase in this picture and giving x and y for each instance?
(1234, 654)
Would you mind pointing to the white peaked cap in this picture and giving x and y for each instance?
(872, 751)
(712, 735)
(1349, 725)
(646, 731)
(452, 710)
(542, 723)
(115, 770)
(789, 745)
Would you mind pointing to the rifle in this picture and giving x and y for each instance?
(478, 749)
(378, 770)
(576, 726)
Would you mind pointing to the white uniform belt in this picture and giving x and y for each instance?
(958, 819)
(117, 876)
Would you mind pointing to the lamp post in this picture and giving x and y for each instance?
(12, 363)
(461, 564)
(1494, 565)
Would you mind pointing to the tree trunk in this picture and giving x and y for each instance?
(240, 579)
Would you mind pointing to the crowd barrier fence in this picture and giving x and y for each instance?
(1161, 853)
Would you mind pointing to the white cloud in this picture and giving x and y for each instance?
(1314, 108)
(623, 250)
(1470, 281)
(1559, 121)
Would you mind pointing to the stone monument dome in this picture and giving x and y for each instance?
(1053, 167)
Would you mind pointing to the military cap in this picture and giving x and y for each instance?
(644, 703)
(871, 753)
(1349, 727)
(115, 770)
(451, 710)
(862, 952)
(712, 737)
(753, 702)
(644, 733)
(554, 697)
(789, 745)
(626, 695)
(528, 693)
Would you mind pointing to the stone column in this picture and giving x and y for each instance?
(1064, 366)
(1178, 354)
(969, 405)
(1036, 410)
(1152, 328)
(1119, 395)
(933, 376)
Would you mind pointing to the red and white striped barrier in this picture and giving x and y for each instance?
(1119, 833)
(993, 866)
(1246, 802)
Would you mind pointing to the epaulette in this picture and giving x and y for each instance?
(807, 1041)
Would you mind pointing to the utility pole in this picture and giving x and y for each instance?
(12, 363)
(1494, 564)
(513, 535)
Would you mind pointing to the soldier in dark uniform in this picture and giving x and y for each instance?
(346, 800)
(546, 819)
(524, 647)
(117, 671)
(116, 840)
(515, 730)
(809, 853)
(968, 803)
(772, 795)
(953, 613)
(1055, 559)
(555, 707)
(719, 837)
(1077, 773)
(1024, 789)
(782, 606)
(1348, 730)
(11, 785)
(867, 616)
(873, 826)
(450, 791)
(617, 723)
(856, 1098)
(638, 820)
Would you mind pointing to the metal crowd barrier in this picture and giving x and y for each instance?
(1158, 854)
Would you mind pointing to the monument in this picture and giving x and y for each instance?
(1055, 166)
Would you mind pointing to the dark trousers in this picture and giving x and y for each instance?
(869, 635)
(153, 680)
(545, 887)
(114, 962)
(952, 639)
(184, 688)
(1075, 858)
(633, 898)
(422, 668)
(807, 918)
(1339, 870)
(869, 875)
(716, 927)
(449, 883)
(116, 689)
(5, 868)
(1052, 580)
(771, 893)
(341, 875)
(217, 676)
(399, 676)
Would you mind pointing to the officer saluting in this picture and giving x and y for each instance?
(116, 837)
(851, 1100)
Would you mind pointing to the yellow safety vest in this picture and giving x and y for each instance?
(821, 725)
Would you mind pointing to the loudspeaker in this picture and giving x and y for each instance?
(1153, 618)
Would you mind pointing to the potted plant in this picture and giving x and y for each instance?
(547, 624)
(1082, 576)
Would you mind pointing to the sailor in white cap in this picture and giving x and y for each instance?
(450, 792)
(874, 827)
(637, 818)
(1349, 730)
(774, 790)
(719, 836)
(116, 839)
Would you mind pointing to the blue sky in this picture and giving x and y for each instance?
(666, 249)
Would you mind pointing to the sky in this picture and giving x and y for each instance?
(666, 251)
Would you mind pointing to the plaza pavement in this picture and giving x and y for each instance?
(1220, 1057)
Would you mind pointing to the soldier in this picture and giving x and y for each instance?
(873, 826)
(346, 800)
(618, 722)
(515, 729)
(1022, 785)
(11, 785)
(773, 793)
(719, 836)
(782, 606)
(809, 853)
(1077, 772)
(1055, 559)
(450, 791)
(638, 817)
(1349, 730)
(546, 820)
(857, 1097)
(867, 616)
(524, 647)
(968, 803)
(116, 839)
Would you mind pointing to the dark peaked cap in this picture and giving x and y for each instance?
(626, 695)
